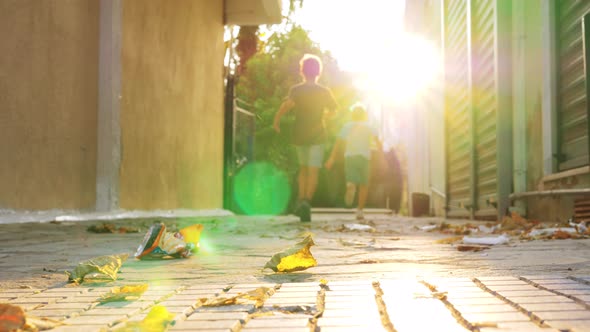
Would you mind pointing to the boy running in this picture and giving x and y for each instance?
(309, 100)
(356, 137)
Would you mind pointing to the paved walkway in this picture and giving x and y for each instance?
(393, 278)
(531, 303)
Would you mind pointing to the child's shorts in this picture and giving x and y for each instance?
(357, 169)
(311, 156)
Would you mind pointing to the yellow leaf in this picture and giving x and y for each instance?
(124, 293)
(296, 258)
(259, 295)
(323, 282)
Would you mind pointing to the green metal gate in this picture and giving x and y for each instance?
(471, 103)
(572, 112)
(457, 108)
(483, 62)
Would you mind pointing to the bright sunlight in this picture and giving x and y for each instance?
(368, 39)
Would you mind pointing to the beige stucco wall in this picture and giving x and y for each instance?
(48, 103)
(172, 104)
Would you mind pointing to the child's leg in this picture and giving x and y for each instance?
(350, 191)
(363, 193)
(302, 183)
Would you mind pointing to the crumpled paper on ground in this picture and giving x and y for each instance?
(489, 241)
(296, 258)
(97, 269)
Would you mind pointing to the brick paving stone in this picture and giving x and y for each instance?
(231, 325)
(564, 315)
(452, 294)
(282, 294)
(517, 327)
(363, 323)
(226, 308)
(66, 290)
(55, 313)
(94, 320)
(218, 316)
(495, 308)
(178, 302)
(474, 317)
(102, 311)
(66, 305)
(575, 292)
(359, 328)
(347, 312)
(276, 329)
(497, 278)
(288, 301)
(75, 328)
(270, 322)
(521, 300)
(539, 307)
(525, 293)
(477, 301)
(19, 290)
(514, 287)
(580, 325)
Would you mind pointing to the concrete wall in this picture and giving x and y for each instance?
(48, 103)
(172, 104)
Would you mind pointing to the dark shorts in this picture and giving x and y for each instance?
(357, 169)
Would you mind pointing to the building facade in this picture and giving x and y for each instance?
(514, 97)
(115, 103)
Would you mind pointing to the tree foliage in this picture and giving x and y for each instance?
(266, 82)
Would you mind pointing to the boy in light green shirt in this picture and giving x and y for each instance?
(356, 138)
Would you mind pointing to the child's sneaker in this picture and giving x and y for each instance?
(360, 215)
(350, 191)
(305, 212)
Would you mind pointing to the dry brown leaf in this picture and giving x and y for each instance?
(471, 247)
(450, 240)
(12, 317)
(259, 295)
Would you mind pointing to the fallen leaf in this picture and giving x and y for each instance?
(258, 295)
(98, 269)
(450, 240)
(369, 261)
(561, 235)
(12, 318)
(124, 293)
(296, 258)
(470, 247)
(40, 324)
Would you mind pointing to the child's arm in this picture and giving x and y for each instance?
(336, 152)
(286, 106)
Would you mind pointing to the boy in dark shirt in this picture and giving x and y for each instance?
(309, 101)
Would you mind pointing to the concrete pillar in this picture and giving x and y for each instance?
(109, 95)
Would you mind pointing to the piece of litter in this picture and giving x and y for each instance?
(490, 241)
(359, 227)
(551, 231)
(428, 228)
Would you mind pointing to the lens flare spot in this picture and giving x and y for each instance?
(261, 189)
